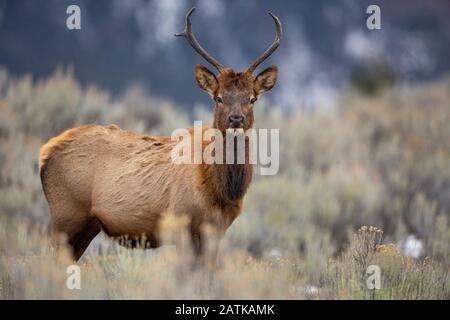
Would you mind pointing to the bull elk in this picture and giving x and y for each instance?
(105, 178)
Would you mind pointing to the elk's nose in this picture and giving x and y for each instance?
(236, 121)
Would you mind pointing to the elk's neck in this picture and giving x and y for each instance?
(232, 180)
(229, 181)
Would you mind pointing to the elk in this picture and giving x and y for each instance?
(104, 178)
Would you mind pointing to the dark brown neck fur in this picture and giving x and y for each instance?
(228, 182)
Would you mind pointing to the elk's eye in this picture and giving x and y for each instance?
(218, 99)
(253, 100)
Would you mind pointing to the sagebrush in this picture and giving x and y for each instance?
(381, 160)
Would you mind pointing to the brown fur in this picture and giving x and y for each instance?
(105, 178)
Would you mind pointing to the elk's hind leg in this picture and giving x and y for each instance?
(76, 222)
(81, 240)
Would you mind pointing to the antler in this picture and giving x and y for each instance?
(187, 33)
(271, 49)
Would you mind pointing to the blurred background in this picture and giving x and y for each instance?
(363, 116)
(326, 43)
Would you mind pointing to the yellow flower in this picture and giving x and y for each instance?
(388, 250)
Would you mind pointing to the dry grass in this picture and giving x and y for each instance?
(382, 160)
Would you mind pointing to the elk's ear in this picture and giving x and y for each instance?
(266, 80)
(206, 79)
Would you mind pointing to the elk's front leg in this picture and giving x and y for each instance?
(205, 245)
(197, 239)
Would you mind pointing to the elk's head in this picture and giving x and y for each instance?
(234, 93)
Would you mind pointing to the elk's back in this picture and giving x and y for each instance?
(125, 179)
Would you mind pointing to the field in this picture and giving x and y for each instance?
(365, 184)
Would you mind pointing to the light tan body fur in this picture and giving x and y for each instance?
(107, 178)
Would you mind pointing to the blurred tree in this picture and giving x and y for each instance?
(373, 77)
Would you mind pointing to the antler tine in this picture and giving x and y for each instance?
(272, 48)
(187, 33)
